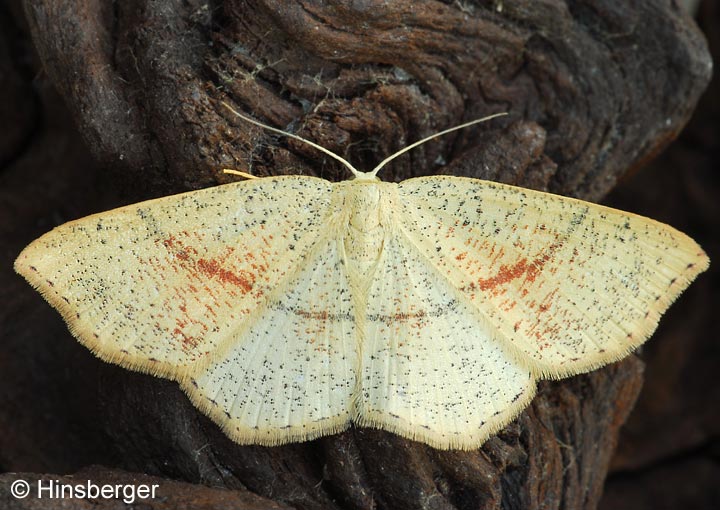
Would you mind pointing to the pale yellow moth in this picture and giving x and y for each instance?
(292, 307)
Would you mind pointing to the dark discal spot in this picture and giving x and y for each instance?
(227, 414)
(33, 268)
(673, 281)
(690, 266)
(50, 283)
(578, 219)
(66, 300)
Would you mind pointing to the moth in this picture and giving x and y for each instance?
(291, 307)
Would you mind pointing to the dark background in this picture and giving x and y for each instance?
(669, 451)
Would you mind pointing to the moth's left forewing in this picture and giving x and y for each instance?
(166, 285)
(571, 285)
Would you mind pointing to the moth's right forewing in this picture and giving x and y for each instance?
(570, 285)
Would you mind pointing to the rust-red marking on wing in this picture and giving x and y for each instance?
(180, 250)
(187, 256)
(507, 273)
(521, 268)
(188, 342)
(212, 269)
(193, 322)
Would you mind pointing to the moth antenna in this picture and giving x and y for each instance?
(426, 139)
(342, 160)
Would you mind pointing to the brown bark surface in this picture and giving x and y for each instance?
(592, 88)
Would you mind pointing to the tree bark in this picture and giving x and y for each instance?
(593, 89)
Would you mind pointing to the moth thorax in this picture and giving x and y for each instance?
(365, 233)
(363, 204)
